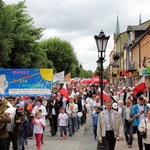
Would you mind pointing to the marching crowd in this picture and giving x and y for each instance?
(124, 114)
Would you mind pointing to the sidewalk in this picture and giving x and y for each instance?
(54, 143)
(82, 140)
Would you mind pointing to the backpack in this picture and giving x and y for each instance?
(25, 128)
(95, 118)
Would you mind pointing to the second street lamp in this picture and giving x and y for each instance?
(101, 42)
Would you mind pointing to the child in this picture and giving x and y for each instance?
(63, 122)
(24, 133)
(95, 120)
(39, 124)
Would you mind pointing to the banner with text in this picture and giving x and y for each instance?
(26, 82)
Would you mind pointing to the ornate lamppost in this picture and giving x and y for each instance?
(101, 42)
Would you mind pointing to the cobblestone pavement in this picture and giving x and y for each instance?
(82, 140)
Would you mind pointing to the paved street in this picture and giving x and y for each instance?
(82, 140)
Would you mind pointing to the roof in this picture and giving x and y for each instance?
(137, 28)
(137, 40)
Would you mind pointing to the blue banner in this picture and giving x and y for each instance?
(26, 82)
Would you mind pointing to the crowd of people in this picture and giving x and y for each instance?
(123, 115)
(30, 118)
(132, 118)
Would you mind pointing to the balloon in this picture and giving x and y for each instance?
(88, 106)
(91, 102)
(26, 97)
(79, 114)
(115, 105)
(148, 105)
(75, 106)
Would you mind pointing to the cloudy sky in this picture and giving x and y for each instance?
(77, 21)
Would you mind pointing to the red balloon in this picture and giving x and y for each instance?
(26, 97)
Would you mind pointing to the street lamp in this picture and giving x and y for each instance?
(101, 42)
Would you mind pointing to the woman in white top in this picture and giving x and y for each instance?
(71, 111)
(145, 127)
(41, 108)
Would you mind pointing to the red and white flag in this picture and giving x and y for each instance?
(140, 86)
(64, 92)
(105, 95)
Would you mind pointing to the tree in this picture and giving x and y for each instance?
(25, 51)
(20, 46)
(61, 53)
(6, 29)
(19, 37)
(105, 75)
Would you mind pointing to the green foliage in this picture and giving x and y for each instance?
(97, 73)
(20, 46)
(105, 76)
(6, 32)
(18, 38)
(61, 53)
(25, 52)
(86, 74)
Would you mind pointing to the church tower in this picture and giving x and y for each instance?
(140, 21)
(117, 32)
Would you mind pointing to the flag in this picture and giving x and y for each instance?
(59, 76)
(67, 77)
(105, 95)
(140, 86)
(64, 92)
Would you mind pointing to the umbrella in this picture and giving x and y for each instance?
(96, 80)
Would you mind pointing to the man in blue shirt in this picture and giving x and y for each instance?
(139, 113)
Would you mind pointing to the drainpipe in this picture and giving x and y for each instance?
(139, 54)
(128, 55)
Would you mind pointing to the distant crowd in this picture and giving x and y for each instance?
(29, 119)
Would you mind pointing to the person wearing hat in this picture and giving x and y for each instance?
(21, 139)
(4, 118)
(11, 99)
(139, 113)
(14, 132)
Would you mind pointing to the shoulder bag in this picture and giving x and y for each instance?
(144, 134)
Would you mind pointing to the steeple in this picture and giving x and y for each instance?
(117, 26)
(140, 21)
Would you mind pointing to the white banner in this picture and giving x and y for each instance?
(59, 76)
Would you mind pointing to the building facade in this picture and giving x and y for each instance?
(133, 47)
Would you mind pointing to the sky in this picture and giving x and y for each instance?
(77, 21)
